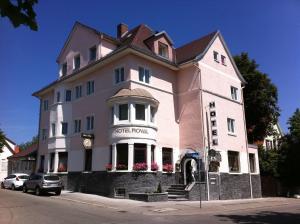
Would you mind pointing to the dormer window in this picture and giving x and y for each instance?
(163, 50)
(76, 62)
(223, 60)
(64, 69)
(93, 53)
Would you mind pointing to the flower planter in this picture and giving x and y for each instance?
(149, 197)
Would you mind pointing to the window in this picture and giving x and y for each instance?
(216, 55)
(41, 168)
(45, 105)
(269, 144)
(44, 134)
(144, 75)
(89, 87)
(77, 126)
(152, 153)
(76, 62)
(64, 128)
(163, 50)
(57, 97)
(89, 123)
(112, 111)
(140, 153)
(78, 91)
(93, 53)
(64, 68)
(51, 167)
(119, 75)
(88, 160)
(167, 156)
(233, 161)
(62, 162)
(223, 60)
(140, 112)
(230, 125)
(152, 114)
(252, 162)
(68, 95)
(123, 112)
(53, 129)
(122, 157)
(234, 92)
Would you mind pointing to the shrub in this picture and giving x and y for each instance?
(140, 166)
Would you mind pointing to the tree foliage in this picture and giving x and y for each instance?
(2, 139)
(290, 153)
(19, 12)
(268, 161)
(27, 144)
(260, 98)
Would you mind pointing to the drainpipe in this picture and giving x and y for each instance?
(203, 135)
(248, 161)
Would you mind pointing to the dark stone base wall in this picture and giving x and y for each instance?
(105, 183)
(64, 179)
(256, 186)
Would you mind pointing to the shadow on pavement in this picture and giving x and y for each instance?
(263, 218)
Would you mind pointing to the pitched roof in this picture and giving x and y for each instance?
(191, 50)
(27, 152)
(138, 92)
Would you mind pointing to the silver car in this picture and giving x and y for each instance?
(41, 183)
(14, 181)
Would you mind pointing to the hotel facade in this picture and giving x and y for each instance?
(132, 111)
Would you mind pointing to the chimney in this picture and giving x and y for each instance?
(121, 29)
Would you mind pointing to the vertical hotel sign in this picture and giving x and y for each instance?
(213, 123)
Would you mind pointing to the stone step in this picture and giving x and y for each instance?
(172, 191)
(176, 196)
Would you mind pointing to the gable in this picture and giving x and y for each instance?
(218, 45)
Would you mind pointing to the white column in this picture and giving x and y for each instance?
(114, 157)
(130, 156)
(149, 157)
(159, 157)
(55, 162)
(48, 162)
(131, 112)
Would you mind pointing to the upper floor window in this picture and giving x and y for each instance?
(57, 96)
(233, 161)
(123, 112)
(77, 126)
(53, 129)
(223, 60)
(76, 62)
(89, 87)
(216, 56)
(45, 105)
(64, 128)
(68, 95)
(230, 125)
(78, 91)
(163, 50)
(144, 75)
(64, 68)
(89, 123)
(140, 112)
(252, 162)
(234, 93)
(93, 53)
(119, 75)
(44, 134)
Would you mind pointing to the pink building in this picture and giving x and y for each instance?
(129, 112)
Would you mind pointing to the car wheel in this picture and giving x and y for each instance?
(58, 192)
(38, 191)
(2, 185)
(13, 187)
(24, 189)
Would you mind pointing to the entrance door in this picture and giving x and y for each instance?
(188, 171)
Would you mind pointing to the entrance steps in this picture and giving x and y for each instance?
(177, 192)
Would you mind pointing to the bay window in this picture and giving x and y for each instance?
(140, 112)
(123, 112)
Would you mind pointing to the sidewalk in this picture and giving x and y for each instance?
(174, 207)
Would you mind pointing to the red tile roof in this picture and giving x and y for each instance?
(28, 151)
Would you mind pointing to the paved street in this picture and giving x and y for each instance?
(17, 207)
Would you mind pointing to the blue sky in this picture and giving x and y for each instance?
(268, 30)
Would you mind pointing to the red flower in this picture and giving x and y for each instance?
(154, 166)
(121, 167)
(168, 168)
(108, 166)
(140, 166)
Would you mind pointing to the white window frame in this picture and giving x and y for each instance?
(62, 69)
(75, 91)
(74, 62)
(144, 74)
(254, 162)
(234, 93)
(145, 112)
(239, 161)
(231, 126)
(46, 105)
(88, 92)
(119, 75)
(53, 129)
(63, 122)
(216, 56)
(44, 134)
(223, 60)
(77, 129)
(166, 48)
(96, 49)
(66, 95)
(88, 125)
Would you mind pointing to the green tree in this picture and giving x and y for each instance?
(2, 140)
(260, 98)
(19, 12)
(27, 144)
(290, 154)
(268, 161)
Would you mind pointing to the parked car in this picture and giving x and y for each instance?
(42, 183)
(14, 181)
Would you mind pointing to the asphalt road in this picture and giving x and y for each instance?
(17, 207)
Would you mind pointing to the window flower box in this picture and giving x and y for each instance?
(121, 167)
(154, 167)
(108, 167)
(168, 168)
(140, 167)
